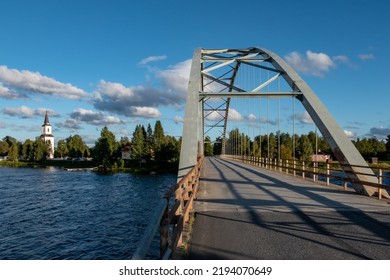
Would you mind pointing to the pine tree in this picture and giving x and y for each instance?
(158, 141)
(138, 143)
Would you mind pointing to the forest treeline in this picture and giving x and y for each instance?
(301, 146)
(150, 147)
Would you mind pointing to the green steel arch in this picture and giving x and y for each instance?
(207, 66)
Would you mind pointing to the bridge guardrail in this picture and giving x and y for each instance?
(171, 217)
(313, 168)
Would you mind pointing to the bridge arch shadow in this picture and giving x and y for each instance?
(283, 218)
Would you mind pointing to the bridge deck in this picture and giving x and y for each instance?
(246, 212)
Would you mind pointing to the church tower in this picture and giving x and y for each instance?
(47, 136)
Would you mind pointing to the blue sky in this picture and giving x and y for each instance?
(116, 63)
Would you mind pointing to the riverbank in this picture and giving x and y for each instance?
(76, 165)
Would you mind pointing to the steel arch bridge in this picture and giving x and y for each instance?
(214, 75)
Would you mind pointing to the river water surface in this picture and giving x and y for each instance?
(49, 213)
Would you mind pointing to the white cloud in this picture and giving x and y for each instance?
(175, 79)
(2, 125)
(252, 117)
(350, 134)
(234, 115)
(81, 115)
(71, 124)
(219, 115)
(367, 56)
(26, 112)
(137, 101)
(152, 59)
(93, 118)
(315, 64)
(142, 101)
(34, 82)
(7, 93)
(304, 118)
(146, 112)
(178, 119)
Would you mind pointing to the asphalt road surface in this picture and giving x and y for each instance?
(246, 212)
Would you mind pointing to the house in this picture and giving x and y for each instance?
(320, 158)
(126, 152)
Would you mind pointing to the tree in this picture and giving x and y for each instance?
(62, 148)
(305, 148)
(13, 153)
(139, 147)
(39, 150)
(10, 140)
(158, 136)
(27, 150)
(158, 141)
(169, 150)
(4, 148)
(124, 141)
(269, 146)
(105, 148)
(208, 148)
(149, 134)
(76, 146)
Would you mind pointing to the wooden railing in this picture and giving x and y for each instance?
(171, 217)
(317, 170)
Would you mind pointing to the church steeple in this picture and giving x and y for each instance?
(47, 136)
(46, 122)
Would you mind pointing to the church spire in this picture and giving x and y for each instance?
(46, 122)
(47, 137)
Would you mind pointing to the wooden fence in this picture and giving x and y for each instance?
(171, 217)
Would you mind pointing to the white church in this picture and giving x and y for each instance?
(47, 136)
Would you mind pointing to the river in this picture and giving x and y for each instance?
(49, 213)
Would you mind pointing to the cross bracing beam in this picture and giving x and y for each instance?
(212, 67)
(235, 94)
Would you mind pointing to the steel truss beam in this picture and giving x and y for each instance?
(205, 62)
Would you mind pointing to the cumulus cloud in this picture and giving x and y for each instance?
(304, 118)
(93, 118)
(26, 112)
(380, 132)
(138, 101)
(234, 115)
(366, 56)
(8, 94)
(71, 124)
(350, 134)
(146, 112)
(315, 64)
(175, 79)
(152, 59)
(33, 82)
